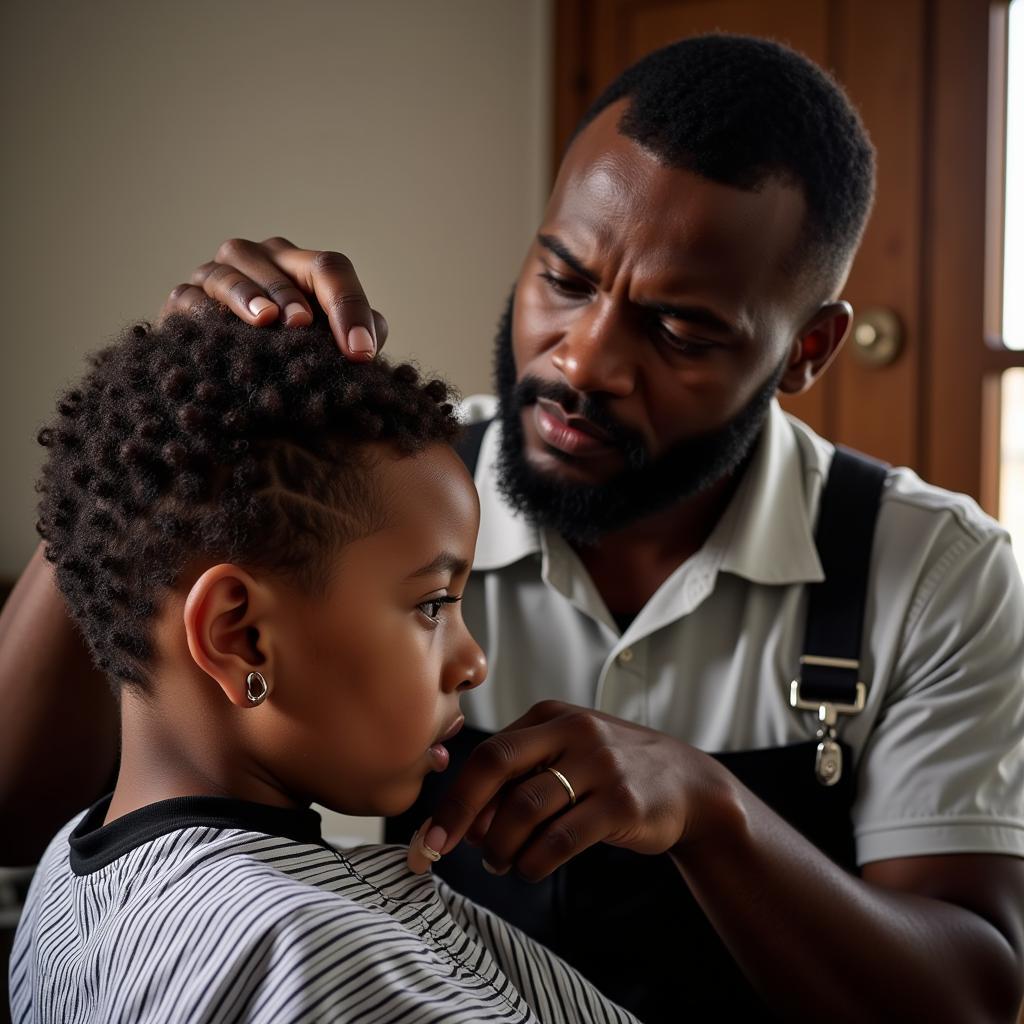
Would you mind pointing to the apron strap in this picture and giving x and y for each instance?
(830, 679)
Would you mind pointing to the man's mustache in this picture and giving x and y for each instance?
(590, 407)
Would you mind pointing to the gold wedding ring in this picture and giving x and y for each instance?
(565, 783)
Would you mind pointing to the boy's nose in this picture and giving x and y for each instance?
(474, 671)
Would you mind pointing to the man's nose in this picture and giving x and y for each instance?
(596, 353)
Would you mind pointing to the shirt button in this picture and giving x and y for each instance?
(626, 655)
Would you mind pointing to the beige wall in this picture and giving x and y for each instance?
(411, 134)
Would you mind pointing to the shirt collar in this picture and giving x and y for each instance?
(94, 845)
(766, 530)
(768, 521)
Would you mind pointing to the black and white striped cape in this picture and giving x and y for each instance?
(212, 910)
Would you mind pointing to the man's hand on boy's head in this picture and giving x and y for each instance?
(612, 781)
(262, 282)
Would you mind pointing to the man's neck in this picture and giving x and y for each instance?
(629, 565)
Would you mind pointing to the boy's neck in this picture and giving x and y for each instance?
(167, 754)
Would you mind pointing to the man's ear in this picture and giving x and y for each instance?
(816, 346)
(227, 625)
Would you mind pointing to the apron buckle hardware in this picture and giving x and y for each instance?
(828, 759)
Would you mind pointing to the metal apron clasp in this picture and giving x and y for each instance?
(828, 761)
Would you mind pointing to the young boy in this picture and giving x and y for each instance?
(264, 546)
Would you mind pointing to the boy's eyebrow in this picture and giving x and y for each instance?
(444, 562)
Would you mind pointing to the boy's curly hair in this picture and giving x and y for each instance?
(205, 437)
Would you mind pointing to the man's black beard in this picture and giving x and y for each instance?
(583, 513)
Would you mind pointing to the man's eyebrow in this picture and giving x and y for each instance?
(699, 315)
(444, 562)
(552, 244)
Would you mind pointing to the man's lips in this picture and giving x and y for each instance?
(574, 435)
(580, 423)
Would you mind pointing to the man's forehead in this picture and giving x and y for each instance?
(625, 202)
(599, 196)
(603, 170)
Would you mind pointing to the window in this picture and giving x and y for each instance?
(1011, 476)
(1013, 251)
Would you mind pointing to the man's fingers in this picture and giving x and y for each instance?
(424, 848)
(251, 259)
(278, 245)
(476, 832)
(542, 711)
(380, 325)
(331, 277)
(561, 839)
(238, 292)
(183, 299)
(523, 808)
(262, 282)
(496, 761)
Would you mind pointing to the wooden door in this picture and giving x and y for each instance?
(921, 75)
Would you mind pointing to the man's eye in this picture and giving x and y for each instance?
(564, 285)
(684, 346)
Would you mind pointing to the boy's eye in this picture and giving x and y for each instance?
(432, 608)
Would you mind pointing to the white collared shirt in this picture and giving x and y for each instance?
(939, 748)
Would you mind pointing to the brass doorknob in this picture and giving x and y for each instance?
(877, 336)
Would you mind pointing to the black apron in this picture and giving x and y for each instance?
(628, 922)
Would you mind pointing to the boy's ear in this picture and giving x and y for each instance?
(227, 625)
(816, 346)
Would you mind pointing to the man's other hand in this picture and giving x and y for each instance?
(262, 282)
(624, 784)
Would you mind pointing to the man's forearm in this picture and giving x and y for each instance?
(58, 727)
(821, 944)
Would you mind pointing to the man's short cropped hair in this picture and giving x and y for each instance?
(740, 110)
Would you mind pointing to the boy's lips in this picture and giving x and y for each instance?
(452, 729)
(438, 751)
